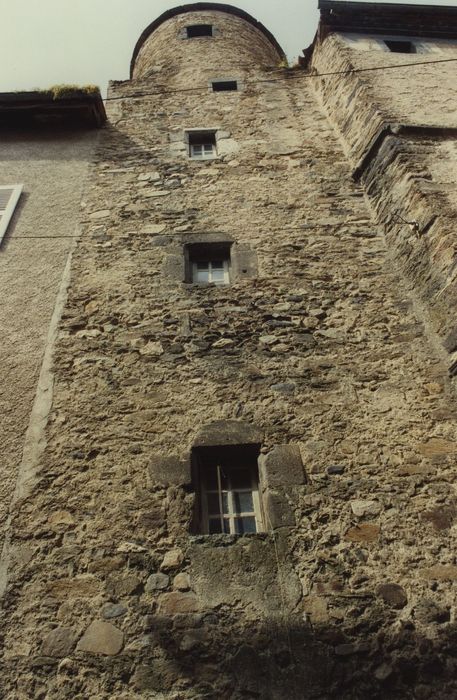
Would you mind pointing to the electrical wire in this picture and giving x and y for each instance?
(292, 76)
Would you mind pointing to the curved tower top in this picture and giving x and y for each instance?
(233, 32)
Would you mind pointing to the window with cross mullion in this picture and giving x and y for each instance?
(230, 500)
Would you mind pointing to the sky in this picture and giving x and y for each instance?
(49, 42)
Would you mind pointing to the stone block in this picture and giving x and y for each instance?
(178, 603)
(101, 638)
(168, 470)
(228, 432)
(365, 532)
(392, 594)
(157, 582)
(244, 262)
(59, 642)
(282, 467)
(172, 560)
(363, 507)
(278, 510)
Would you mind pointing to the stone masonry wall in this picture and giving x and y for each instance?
(399, 129)
(319, 349)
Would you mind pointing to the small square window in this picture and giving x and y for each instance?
(228, 490)
(224, 85)
(202, 144)
(197, 30)
(400, 46)
(209, 264)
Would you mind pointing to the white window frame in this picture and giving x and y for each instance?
(232, 514)
(225, 267)
(7, 212)
(204, 154)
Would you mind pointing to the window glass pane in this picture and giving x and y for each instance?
(202, 272)
(217, 272)
(243, 525)
(208, 147)
(243, 502)
(213, 503)
(215, 526)
(241, 478)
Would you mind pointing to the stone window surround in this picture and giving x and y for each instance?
(243, 260)
(281, 470)
(179, 141)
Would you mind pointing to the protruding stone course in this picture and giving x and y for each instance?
(101, 638)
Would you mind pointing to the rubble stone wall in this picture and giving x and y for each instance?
(398, 126)
(318, 352)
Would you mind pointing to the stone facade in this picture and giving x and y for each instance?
(320, 357)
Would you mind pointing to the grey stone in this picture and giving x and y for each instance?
(282, 467)
(157, 582)
(284, 388)
(101, 638)
(112, 610)
(59, 642)
(335, 469)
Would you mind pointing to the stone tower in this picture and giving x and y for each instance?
(247, 485)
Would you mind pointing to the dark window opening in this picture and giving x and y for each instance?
(196, 30)
(400, 46)
(202, 144)
(208, 263)
(226, 480)
(224, 85)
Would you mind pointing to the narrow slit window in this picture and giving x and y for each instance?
(396, 46)
(202, 144)
(224, 85)
(228, 490)
(194, 31)
(9, 197)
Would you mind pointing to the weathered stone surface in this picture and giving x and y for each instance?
(393, 594)
(442, 517)
(59, 642)
(101, 638)
(157, 582)
(181, 582)
(365, 507)
(111, 611)
(440, 572)
(120, 586)
(283, 466)
(175, 603)
(168, 469)
(172, 560)
(228, 432)
(365, 532)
